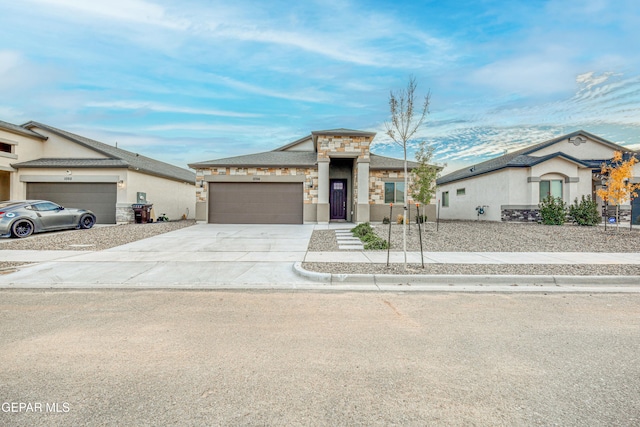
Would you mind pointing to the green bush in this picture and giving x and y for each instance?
(386, 220)
(371, 241)
(585, 212)
(421, 218)
(376, 243)
(553, 211)
(361, 230)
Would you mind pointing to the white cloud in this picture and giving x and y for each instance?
(162, 108)
(134, 11)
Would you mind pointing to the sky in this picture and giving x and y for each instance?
(195, 80)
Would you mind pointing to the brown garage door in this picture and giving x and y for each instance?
(255, 202)
(100, 198)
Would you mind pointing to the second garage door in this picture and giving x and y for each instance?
(100, 198)
(255, 202)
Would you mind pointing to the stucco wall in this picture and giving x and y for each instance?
(589, 150)
(57, 147)
(172, 198)
(491, 190)
(24, 149)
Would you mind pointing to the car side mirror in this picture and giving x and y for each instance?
(61, 208)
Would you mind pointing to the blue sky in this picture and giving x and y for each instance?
(197, 80)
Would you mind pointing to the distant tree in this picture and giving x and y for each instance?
(406, 119)
(618, 187)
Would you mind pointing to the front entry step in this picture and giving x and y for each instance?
(347, 241)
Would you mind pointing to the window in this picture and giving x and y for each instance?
(551, 188)
(45, 206)
(445, 199)
(394, 192)
(460, 192)
(5, 148)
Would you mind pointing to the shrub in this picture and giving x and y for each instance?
(553, 211)
(585, 212)
(376, 243)
(371, 241)
(361, 230)
(386, 220)
(421, 218)
(400, 219)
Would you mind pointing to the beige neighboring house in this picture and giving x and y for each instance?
(38, 161)
(510, 187)
(326, 176)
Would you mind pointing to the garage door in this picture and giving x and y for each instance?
(100, 198)
(255, 202)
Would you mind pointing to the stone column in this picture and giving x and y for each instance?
(363, 209)
(323, 191)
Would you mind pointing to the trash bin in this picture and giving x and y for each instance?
(142, 212)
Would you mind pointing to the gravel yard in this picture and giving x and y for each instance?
(472, 236)
(96, 239)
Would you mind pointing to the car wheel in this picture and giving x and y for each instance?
(87, 221)
(22, 228)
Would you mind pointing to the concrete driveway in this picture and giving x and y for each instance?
(202, 256)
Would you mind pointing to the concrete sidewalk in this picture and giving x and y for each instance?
(208, 256)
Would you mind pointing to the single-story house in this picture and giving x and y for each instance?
(329, 175)
(38, 161)
(510, 187)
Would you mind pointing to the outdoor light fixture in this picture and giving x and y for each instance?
(120, 184)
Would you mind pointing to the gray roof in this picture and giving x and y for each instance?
(72, 163)
(522, 158)
(294, 159)
(342, 132)
(20, 130)
(134, 161)
(266, 159)
(389, 163)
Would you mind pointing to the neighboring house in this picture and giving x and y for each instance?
(327, 176)
(510, 187)
(38, 161)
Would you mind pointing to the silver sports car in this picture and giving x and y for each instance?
(24, 217)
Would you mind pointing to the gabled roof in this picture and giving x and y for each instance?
(293, 144)
(72, 163)
(266, 159)
(525, 158)
(133, 160)
(20, 130)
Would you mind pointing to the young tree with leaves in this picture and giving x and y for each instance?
(618, 187)
(425, 175)
(406, 119)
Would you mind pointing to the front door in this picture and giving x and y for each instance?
(338, 198)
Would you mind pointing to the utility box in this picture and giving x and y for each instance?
(142, 212)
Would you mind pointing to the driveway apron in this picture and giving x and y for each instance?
(202, 256)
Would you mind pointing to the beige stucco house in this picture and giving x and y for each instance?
(326, 176)
(510, 187)
(38, 161)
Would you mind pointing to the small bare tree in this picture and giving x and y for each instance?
(406, 119)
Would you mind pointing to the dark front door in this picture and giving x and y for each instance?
(338, 198)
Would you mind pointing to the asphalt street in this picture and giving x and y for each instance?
(152, 357)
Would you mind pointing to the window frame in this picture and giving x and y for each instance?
(549, 182)
(445, 199)
(395, 192)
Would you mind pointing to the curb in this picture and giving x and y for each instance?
(467, 280)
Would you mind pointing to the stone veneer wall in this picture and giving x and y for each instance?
(124, 213)
(533, 215)
(377, 178)
(357, 145)
(310, 183)
(520, 215)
